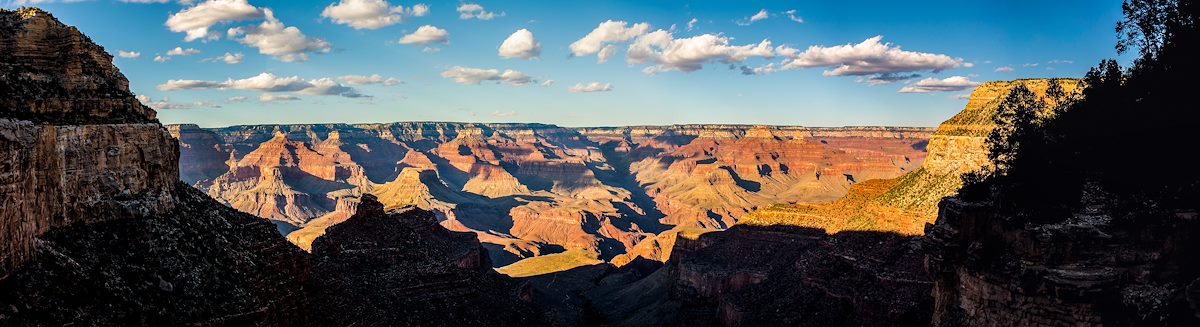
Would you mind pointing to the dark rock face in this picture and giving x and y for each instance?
(777, 276)
(52, 73)
(1091, 269)
(403, 268)
(200, 264)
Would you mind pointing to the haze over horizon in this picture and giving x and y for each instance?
(233, 62)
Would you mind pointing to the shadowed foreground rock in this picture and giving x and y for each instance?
(776, 276)
(403, 268)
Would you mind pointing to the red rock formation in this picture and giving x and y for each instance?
(600, 190)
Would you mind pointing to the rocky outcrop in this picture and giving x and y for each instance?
(51, 73)
(402, 268)
(95, 226)
(907, 203)
(201, 263)
(755, 276)
(526, 187)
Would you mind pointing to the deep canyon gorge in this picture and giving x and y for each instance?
(108, 217)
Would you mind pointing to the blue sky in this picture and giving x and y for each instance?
(684, 76)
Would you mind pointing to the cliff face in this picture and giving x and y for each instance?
(402, 268)
(531, 189)
(56, 174)
(787, 276)
(907, 203)
(94, 223)
(53, 74)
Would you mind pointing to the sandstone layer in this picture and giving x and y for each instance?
(531, 189)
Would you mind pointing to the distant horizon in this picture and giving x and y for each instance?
(546, 124)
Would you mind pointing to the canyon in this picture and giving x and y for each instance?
(529, 190)
(108, 217)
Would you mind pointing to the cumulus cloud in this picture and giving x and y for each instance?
(888, 78)
(166, 104)
(267, 82)
(692, 23)
(195, 21)
(606, 33)
(228, 58)
(474, 76)
(370, 14)
(179, 51)
(275, 39)
(267, 97)
(521, 45)
(760, 70)
(949, 84)
(870, 57)
(690, 54)
(761, 15)
(367, 80)
(791, 15)
(1005, 69)
(161, 59)
(426, 34)
(476, 11)
(590, 87)
(129, 54)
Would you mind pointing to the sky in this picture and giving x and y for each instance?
(601, 63)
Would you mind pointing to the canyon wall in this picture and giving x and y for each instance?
(532, 189)
(907, 203)
(58, 173)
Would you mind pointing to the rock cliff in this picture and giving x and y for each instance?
(532, 189)
(94, 224)
(403, 268)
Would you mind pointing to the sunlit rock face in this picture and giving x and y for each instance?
(907, 203)
(532, 189)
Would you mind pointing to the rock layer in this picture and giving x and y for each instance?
(533, 189)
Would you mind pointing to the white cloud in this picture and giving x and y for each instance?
(161, 59)
(949, 84)
(869, 57)
(888, 78)
(503, 114)
(228, 58)
(590, 87)
(476, 11)
(607, 52)
(968, 65)
(275, 39)
(179, 51)
(761, 15)
(791, 14)
(166, 104)
(196, 20)
(1060, 62)
(367, 80)
(607, 32)
(236, 99)
(267, 82)
(520, 44)
(961, 96)
(431, 50)
(548, 82)
(426, 34)
(692, 23)
(1029, 65)
(129, 54)
(1005, 69)
(370, 14)
(267, 97)
(473, 76)
(145, 1)
(761, 70)
(690, 54)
